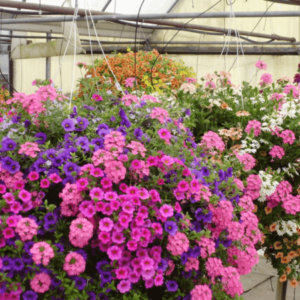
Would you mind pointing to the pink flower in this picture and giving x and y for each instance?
(202, 292)
(33, 176)
(147, 263)
(81, 231)
(26, 228)
(261, 65)
(97, 97)
(42, 252)
(114, 253)
(178, 243)
(210, 84)
(24, 196)
(74, 264)
(40, 283)
(129, 82)
(8, 233)
(124, 286)
(136, 164)
(277, 151)
(167, 160)
(55, 178)
(96, 193)
(255, 125)
(9, 198)
(266, 79)
(45, 183)
(121, 273)
(183, 186)
(106, 224)
(164, 134)
(104, 237)
(166, 211)
(288, 136)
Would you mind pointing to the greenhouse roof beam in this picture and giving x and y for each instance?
(106, 5)
(101, 15)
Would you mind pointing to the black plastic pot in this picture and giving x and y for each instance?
(156, 293)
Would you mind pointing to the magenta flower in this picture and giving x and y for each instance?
(97, 172)
(114, 205)
(167, 160)
(147, 263)
(124, 286)
(132, 191)
(104, 237)
(122, 273)
(110, 196)
(118, 237)
(136, 164)
(97, 97)
(106, 224)
(183, 186)
(96, 193)
(128, 207)
(8, 233)
(25, 196)
(33, 176)
(45, 183)
(114, 253)
(9, 198)
(132, 245)
(166, 211)
(164, 134)
(157, 228)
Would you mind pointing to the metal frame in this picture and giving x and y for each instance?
(106, 5)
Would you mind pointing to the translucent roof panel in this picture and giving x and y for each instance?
(92, 4)
(133, 6)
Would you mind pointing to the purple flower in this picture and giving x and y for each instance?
(59, 160)
(92, 296)
(197, 226)
(16, 119)
(102, 132)
(27, 259)
(70, 167)
(98, 142)
(297, 78)
(171, 227)
(40, 165)
(103, 297)
(184, 258)
(172, 286)
(205, 171)
(7, 263)
(10, 165)
(18, 264)
(88, 107)
(83, 142)
(199, 214)
(42, 138)
(80, 283)
(122, 130)
(83, 123)
(60, 247)
(55, 282)
(27, 123)
(69, 179)
(30, 295)
(68, 125)
(188, 112)
(28, 244)
(8, 144)
(103, 126)
(138, 133)
(51, 153)
(100, 265)
(112, 119)
(82, 253)
(105, 277)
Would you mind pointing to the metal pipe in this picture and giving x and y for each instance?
(112, 17)
(106, 5)
(157, 22)
(48, 60)
(207, 50)
(81, 12)
(172, 6)
(27, 36)
(186, 43)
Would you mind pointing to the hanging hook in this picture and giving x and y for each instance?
(193, 4)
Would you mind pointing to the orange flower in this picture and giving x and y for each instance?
(255, 209)
(263, 238)
(277, 245)
(285, 260)
(288, 269)
(224, 105)
(282, 278)
(293, 283)
(273, 227)
(268, 210)
(292, 254)
(279, 255)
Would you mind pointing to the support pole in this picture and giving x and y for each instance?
(48, 60)
(281, 290)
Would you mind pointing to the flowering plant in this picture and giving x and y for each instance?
(107, 198)
(145, 71)
(260, 126)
